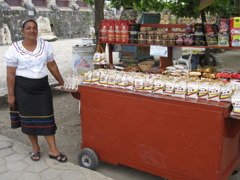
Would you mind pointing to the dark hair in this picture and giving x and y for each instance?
(29, 20)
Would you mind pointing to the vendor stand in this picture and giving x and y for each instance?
(172, 137)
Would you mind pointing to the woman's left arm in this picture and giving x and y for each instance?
(53, 68)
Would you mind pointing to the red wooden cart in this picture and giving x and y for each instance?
(175, 138)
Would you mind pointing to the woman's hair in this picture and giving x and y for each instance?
(29, 20)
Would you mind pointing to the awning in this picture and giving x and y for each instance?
(205, 3)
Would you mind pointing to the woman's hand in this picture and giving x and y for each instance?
(11, 101)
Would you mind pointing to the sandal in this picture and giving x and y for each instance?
(35, 156)
(61, 157)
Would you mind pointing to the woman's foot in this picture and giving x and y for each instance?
(35, 156)
(60, 157)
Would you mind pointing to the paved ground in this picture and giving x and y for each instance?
(16, 165)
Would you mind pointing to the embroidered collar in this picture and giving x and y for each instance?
(37, 52)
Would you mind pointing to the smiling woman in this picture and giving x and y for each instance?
(29, 93)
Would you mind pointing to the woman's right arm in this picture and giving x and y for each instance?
(11, 73)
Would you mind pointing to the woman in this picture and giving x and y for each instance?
(29, 93)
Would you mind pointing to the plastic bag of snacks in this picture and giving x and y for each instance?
(99, 56)
(180, 88)
(111, 80)
(203, 89)
(214, 91)
(87, 77)
(192, 88)
(170, 86)
(96, 77)
(235, 99)
(148, 84)
(138, 83)
(103, 78)
(226, 92)
(159, 85)
(130, 81)
(123, 81)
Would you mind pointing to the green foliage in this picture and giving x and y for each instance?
(91, 2)
(181, 8)
(140, 5)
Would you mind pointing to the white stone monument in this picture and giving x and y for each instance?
(5, 35)
(44, 29)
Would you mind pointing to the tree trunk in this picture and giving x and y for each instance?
(207, 50)
(99, 16)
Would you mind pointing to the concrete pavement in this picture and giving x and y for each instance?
(17, 165)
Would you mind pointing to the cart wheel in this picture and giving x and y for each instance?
(88, 158)
(235, 172)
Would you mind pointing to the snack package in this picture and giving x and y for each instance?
(226, 92)
(95, 77)
(235, 83)
(103, 78)
(159, 86)
(169, 88)
(192, 89)
(203, 89)
(235, 99)
(111, 80)
(214, 91)
(138, 83)
(118, 79)
(74, 84)
(87, 77)
(123, 81)
(148, 84)
(130, 81)
(180, 88)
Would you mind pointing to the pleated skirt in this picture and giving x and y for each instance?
(33, 111)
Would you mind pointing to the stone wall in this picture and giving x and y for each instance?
(64, 24)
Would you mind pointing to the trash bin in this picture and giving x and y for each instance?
(82, 56)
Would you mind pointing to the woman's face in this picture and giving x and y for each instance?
(30, 31)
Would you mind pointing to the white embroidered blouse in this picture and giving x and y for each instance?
(30, 64)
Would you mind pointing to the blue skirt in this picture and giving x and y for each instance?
(34, 107)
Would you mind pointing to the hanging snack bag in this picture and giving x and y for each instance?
(104, 31)
(125, 31)
(180, 88)
(118, 36)
(159, 86)
(223, 26)
(236, 104)
(214, 91)
(192, 89)
(226, 92)
(111, 31)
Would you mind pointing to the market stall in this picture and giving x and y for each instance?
(170, 121)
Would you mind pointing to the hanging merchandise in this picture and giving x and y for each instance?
(99, 56)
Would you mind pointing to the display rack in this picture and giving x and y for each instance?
(165, 61)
